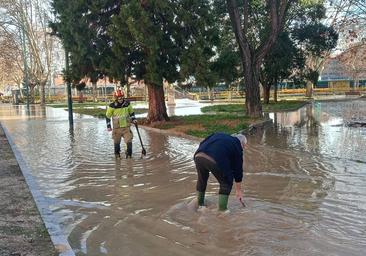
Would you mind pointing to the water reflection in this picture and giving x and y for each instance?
(304, 187)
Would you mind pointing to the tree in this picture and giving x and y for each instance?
(82, 27)
(10, 60)
(224, 66)
(282, 62)
(32, 17)
(80, 87)
(354, 61)
(256, 31)
(315, 40)
(304, 36)
(201, 41)
(348, 19)
(154, 39)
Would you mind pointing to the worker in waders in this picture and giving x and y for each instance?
(121, 114)
(222, 155)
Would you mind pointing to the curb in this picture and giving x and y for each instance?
(57, 236)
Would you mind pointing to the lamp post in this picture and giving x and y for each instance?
(69, 97)
(24, 48)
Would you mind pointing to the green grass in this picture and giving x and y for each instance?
(240, 108)
(229, 118)
(210, 123)
(225, 108)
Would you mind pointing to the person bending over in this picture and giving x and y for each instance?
(222, 155)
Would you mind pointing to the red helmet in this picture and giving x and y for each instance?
(118, 93)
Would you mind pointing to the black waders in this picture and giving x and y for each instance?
(117, 150)
(129, 150)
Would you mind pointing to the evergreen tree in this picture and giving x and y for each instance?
(163, 39)
(81, 25)
(284, 60)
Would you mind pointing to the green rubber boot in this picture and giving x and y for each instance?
(223, 199)
(201, 198)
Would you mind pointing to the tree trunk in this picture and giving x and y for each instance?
(94, 84)
(128, 90)
(31, 93)
(21, 91)
(43, 92)
(275, 91)
(81, 97)
(266, 92)
(49, 92)
(252, 57)
(157, 109)
(309, 89)
(252, 95)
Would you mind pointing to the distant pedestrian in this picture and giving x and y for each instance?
(222, 155)
(121, 113)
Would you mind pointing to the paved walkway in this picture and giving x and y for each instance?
(22, 231)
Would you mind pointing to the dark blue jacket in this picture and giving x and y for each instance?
(226, 150)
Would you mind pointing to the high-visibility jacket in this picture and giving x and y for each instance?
(120, 113)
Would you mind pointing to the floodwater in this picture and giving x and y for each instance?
(305, 186)
(180, 108)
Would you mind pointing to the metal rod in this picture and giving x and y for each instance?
(69, 96)
(26, 82)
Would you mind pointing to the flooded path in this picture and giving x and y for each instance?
(305, 186)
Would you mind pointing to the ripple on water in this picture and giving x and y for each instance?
(304, 188)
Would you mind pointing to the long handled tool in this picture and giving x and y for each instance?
(138, 133)
(242, 202)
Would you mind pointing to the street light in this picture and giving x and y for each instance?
(26, 83)
(69, 97)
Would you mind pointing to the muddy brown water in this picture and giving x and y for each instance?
(305, 186)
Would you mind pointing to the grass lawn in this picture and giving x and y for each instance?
(229, 118)
(240, 108)
(203, 125)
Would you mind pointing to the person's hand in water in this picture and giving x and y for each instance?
(239, 196)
